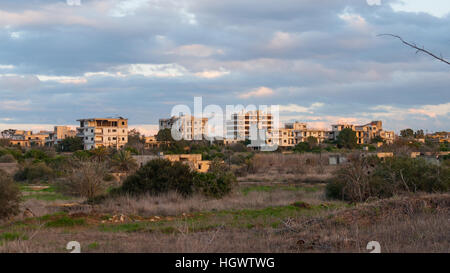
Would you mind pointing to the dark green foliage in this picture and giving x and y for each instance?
(9, 196)
(214, 184)
(347, 139)
(302, 147)
(407, 133)
(377, 139)
(164, 135)
(70, 144)
(363, 178)
(159, 176)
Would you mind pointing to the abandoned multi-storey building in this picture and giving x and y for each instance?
(188, 127)
(238, 127)
(60, 133)
(103, 132)
(365, 133)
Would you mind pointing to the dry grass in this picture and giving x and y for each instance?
(174, 204)
(307, 163)
(406, 224)
(255, 218)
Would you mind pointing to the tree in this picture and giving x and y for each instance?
(70, 144)
(312, 141)
(100, 154)
(347, 139)
(419, 134)
(164, 135)
(377, 139)
(302, 147)
(407, 133)
(124, 162)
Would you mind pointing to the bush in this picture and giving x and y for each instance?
(159, 176)
(9, 196)
(7, 158)
(33, 172)
(364, 178)
(85, 180)
(215, 184)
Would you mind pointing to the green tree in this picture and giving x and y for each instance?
(312, 141)
(377, 139)
(123, 161)
(70, 144)
(164, 135)
(419, 134)
(347, 139)
(407, 133)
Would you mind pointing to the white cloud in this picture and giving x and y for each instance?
(6, 66)
(300, 109)
(431, 111)
(258, 92)
(155, 70)
(210, 74)
(62, 79)
(127, 8)
(145, 129)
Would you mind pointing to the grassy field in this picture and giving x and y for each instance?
(257, 217)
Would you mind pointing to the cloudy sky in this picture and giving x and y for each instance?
(321, 61)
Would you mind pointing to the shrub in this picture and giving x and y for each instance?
(215, 184)
(159, 176)
(9, 196)
(85, 180)
(363, 178)
(7, 158)
(33, 172)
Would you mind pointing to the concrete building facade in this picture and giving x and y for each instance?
(103, 132)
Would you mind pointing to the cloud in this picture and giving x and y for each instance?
(137, 58)
(15, 105)
(259, 92)
(196, 50)
(300, 109)
(62, 79)
(211, 74)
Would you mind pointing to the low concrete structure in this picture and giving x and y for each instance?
(193, 160)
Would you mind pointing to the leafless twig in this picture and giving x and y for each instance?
(417, 48)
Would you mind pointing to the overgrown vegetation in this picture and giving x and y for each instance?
(161, 176)
(369, 177)
(9, 196)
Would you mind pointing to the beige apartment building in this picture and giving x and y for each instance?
(103, 132)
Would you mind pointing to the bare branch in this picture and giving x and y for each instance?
(417, 48)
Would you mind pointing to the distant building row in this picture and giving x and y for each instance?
(238, 128)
